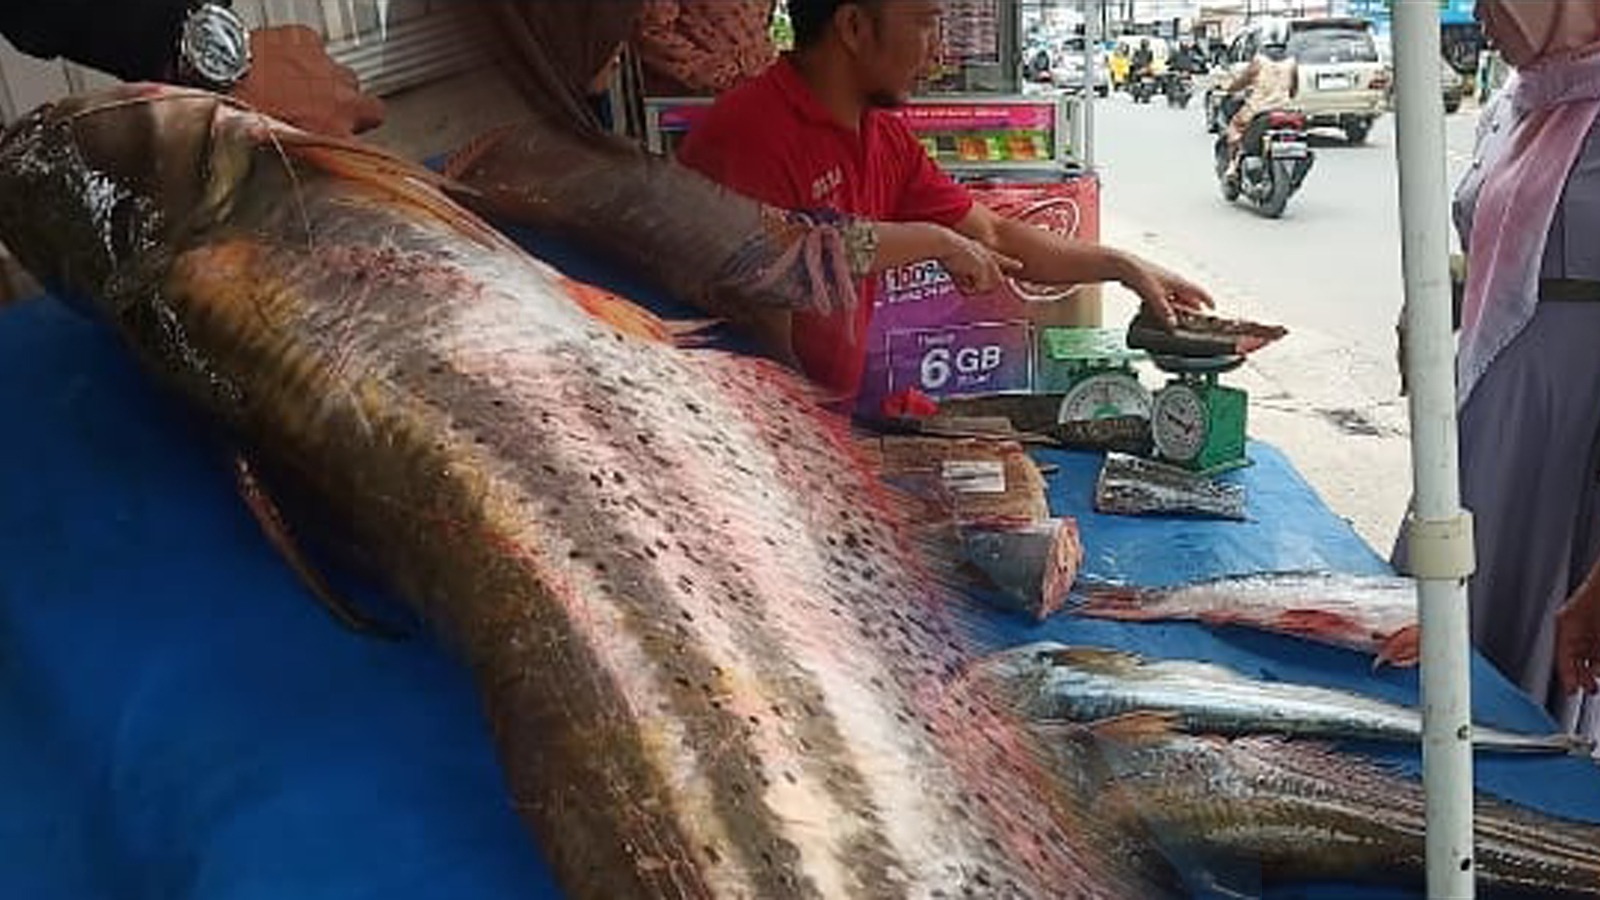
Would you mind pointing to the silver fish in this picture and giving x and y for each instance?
(1083, 684)
(1371, 613)
(1242, 813)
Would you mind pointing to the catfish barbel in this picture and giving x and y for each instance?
(712, 666)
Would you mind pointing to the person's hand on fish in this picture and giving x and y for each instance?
(293, 79)
(1578, 641)
(1162, 291)
(973, 267)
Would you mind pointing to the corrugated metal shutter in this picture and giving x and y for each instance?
(391, 45)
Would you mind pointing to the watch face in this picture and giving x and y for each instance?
(215, 47)
(1107, 395)
(1178, 423)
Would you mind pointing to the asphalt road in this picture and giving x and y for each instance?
(1329, 270)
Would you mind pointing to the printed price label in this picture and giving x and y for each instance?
(970, 359)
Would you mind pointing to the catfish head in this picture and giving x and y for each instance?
(97, 191)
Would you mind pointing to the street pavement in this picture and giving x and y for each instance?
(1329, 270)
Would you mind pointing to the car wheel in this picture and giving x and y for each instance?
(1356, 132)
(1452, 106)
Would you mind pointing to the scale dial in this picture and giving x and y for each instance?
(1178, 423)
(1106, 395)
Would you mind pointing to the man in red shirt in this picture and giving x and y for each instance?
(814, 131)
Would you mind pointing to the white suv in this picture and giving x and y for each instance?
(1343, 83)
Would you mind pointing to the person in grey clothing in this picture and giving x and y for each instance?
(1527, 365)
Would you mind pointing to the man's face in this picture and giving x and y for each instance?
(893, 44)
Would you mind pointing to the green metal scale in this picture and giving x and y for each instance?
(1092, 370)
(1195, 422)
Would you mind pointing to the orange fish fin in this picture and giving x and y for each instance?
(277, 532)
(619, 312)
(691, 332)
(462, 160)
(397, 180)
(1403, 648)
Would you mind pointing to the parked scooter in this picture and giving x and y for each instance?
(1274, 161)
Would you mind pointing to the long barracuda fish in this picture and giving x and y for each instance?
(712, 667)
(1084, 684)
(1373, 614)
(1233, 815)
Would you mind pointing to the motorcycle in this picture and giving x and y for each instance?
(1179, 88)
(1142, 86)
(1274, 160)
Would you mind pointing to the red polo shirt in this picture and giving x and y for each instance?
(771, 139)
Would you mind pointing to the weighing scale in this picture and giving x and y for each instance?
(1195, 422)
(1092, 370)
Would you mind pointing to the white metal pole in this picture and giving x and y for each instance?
(1091, 38)
(1440, 533)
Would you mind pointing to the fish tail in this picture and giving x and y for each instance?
(1403, 648)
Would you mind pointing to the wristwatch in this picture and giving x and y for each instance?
(213, 46)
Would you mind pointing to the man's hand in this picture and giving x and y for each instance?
(292, 78)
(1161, 290)
(1578, 641)
(973, 267)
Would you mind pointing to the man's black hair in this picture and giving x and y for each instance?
(810, 18)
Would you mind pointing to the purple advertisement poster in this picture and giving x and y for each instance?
(971, 358)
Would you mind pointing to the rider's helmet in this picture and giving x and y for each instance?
(1275, 40)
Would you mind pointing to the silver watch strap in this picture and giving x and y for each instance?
(214, 47)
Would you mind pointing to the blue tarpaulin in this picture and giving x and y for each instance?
(178, 719)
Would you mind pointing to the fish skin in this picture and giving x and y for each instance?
(739, 257)
(1287, 811)
(1373, 614)
(1083, 684)
(695, 689)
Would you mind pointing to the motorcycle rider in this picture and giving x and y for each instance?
(1187, 59)
(1144, 60)
(1271, 81)
(1184, 64)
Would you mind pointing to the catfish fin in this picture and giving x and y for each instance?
(619, 312)
(272, 523)
(398, 180)
(465, 156)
